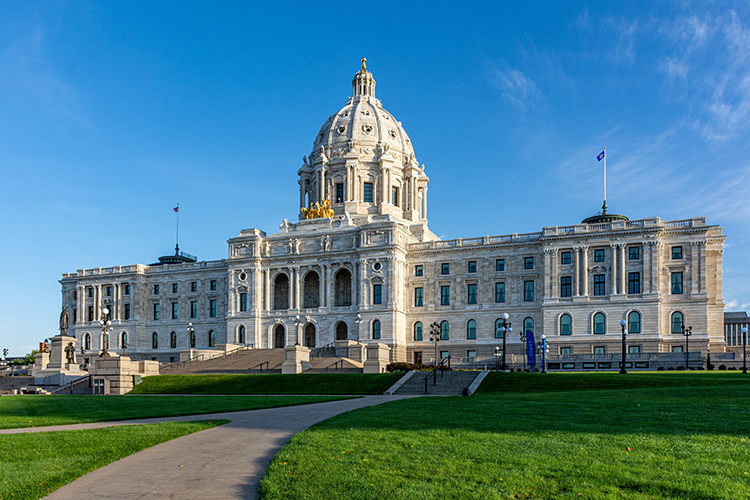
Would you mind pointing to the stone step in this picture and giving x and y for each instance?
(451, 383)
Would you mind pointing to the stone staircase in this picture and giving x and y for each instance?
(245, 361)
(452, 383)
(334, 365)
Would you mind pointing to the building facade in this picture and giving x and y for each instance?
(374, 272)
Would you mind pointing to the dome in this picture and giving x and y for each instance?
(364, 127)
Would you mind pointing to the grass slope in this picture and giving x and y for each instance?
(33, 465)
(36, 411)
(303, 383)
(650, 443)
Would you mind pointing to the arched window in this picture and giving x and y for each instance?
(634, 322)
(600, 323)
(498, 324)
(528, 325)
(124, 340)
(565, 324)
(471, 329)
(311, 294)
(87, 342)
(192, 338)
(173, 340)
(677, 321)
(418, 331)
(281, 292)
(241, 334)
(445, 331)
(211, 338)
(154, 340)
(342, 331)
(376, 329)
(342, 289)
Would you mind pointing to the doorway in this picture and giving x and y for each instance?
(278, 337)
(310, 335)
(342, 331)
(417, 357)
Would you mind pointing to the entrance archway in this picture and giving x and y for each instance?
(310, 335)
(342, 331)
(278, 337)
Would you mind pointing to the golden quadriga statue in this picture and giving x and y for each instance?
(317, 211)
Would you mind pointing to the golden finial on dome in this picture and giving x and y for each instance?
(364, 67)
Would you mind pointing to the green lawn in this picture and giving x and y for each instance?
(35, 464)
(36, 411)
(303, 383)
(646, 443)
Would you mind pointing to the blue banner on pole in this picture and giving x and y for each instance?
(530, 348)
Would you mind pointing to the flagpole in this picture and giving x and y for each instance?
(177, 232)
(604, 207)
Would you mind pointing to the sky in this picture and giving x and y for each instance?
(111, 113)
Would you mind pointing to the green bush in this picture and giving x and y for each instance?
(722, 367)
(670, 368)
(732, 367)
(661, 368)
(680, 367)
(407, 367)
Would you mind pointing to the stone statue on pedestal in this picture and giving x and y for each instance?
(64, 321)
(70, 353)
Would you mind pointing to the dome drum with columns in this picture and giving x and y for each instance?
(363, 161)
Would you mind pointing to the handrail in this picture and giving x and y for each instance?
(439, 366)
(268, 367)
(341, 361)
(70, 384)
(200, 357)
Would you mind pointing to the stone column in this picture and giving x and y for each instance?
(614, 268)
(329, 302)
(694, 267)
(297, 286)
(547, 268)
(585, 277)
(97, 302)
(623, 274)
(554, 278)
(362, 266)
(81, 304)
(646, 266)
(655, 266)
(321, 286)
(355, 280)
(268, 290)
(577, 272)
(703, 267)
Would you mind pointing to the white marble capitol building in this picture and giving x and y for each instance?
(374, 272)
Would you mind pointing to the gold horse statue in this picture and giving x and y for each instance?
(317, 211)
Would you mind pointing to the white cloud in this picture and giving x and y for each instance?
(516, 88)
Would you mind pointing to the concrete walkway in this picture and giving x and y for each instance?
(226, 462)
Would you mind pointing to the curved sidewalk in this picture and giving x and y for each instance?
(225, 462)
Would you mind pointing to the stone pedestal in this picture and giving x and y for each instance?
(378, 356)
(296, 359)
(52, 368)
(350, 349)
(118, 374)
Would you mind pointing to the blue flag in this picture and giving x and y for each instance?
(601, 156)
(530, 348)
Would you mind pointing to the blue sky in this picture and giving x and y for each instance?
(112, 112)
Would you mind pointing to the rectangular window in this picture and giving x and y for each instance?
(75, 316)
(243, 302)
(445, 295)
(499, 292)
(565, 258)
(394, 196)
(676, 253)
(528, 262)
(127, 289)
(91, 292)
(367, 198)
(634, 283)
(418, 270)
(156, 289)
(91, 313)
(565, 351)
(444, 354)
(634, 349)
(156, 311)
(500, 265)
(339, 193)
(599, 255)
(676, 283)
(528, 291)
(175, 309)
(471, 354)
(598, 349)
(377, 294)
(174, 287)
(109, 291)
(472, 266)
(194, 309)
(599, 285)
(677, 348)
(634, 253)
(212, 309)
(213, 284)
(75, 295)
(445, 268)
(194, 286)
(566, 286)
(418, 297)
(472, 294)
(127, 311)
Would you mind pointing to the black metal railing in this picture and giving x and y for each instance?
(201, 357)
(438, 367)
(336, 365)
(268, 366)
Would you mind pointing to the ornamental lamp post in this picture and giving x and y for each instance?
(687, 332)
(106, 325)
(544, 350)
(497, 356)
(191, 332)
(358, 321)
(435, 337)
(624, 334)
(297, 323)
(744, 349)
(504, 328)
(523, 348)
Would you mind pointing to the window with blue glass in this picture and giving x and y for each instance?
(419, 270)
(498, 324)
(634, 322)
(600, 323)
(194, 309)
(500, 265)
(418, 331)
(211, 338)
(376, 329)
(445, 268)
(599, 285)
(243, 302)
(472, 266)
(528, 325)
(599, 255)
(154, 340)
(528, 263)
(212, 308)
(418, 297)
(565, 258)
(367, 198)
(394, 196)
(173, 340)
(377, 294)
(566, 323)
(566, 286)
(677, 321)
(194, 286)
(472, 294)
(445, 295)
(174, 287)
(241, 334)
(528, 291)
(499, 292)
(156, 289)
(127, 312)
(634, 283)
(634, 253)
(471, 329)
(175, 309)
(676, 283)
(156, 311)
(445, 331)
(339, 193)
(676, 253)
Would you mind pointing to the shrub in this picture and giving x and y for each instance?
(699, 368)
(681, 368)
(722, 367)
(661, 368)
(407, 367)
(670, 368)
(732, 367)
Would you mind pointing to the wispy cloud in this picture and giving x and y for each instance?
(516, 87)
